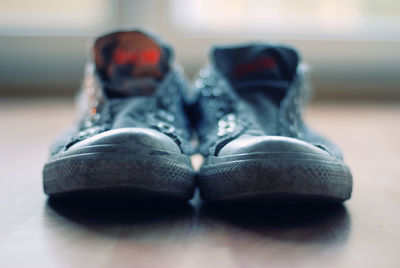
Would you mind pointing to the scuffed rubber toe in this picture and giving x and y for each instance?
(137, 162)
(274, 168)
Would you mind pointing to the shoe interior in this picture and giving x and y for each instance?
(261, 75)
(130, 63)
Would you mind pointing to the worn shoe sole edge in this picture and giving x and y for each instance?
(159, 176)
(275, 177)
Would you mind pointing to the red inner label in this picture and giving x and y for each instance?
(138, 58)
(264, 63)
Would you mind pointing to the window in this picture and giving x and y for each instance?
(307, 19)
(55, 17)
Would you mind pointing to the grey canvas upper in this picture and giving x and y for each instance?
(253, 90)
(130, 82)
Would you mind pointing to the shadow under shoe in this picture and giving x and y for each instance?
(102, 211)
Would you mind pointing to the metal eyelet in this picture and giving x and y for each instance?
(199, 83)
(216, 92)
(165, 115)
(206, 92)
(226, 124)
(165, 128)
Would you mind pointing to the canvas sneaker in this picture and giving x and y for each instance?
(133, 137)
(252, 133)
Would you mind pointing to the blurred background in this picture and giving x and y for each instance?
(352, 46)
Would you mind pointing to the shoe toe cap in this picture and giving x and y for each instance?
(269, 144)
(131, 138)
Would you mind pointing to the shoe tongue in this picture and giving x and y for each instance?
(259, 64)
(130, 63)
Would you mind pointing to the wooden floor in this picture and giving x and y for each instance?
(365, 232)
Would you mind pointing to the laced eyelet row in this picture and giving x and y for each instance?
(92, 91)
(213, 92)
(166, 107)
(292, 121)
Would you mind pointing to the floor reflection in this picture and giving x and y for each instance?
(292, 223)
